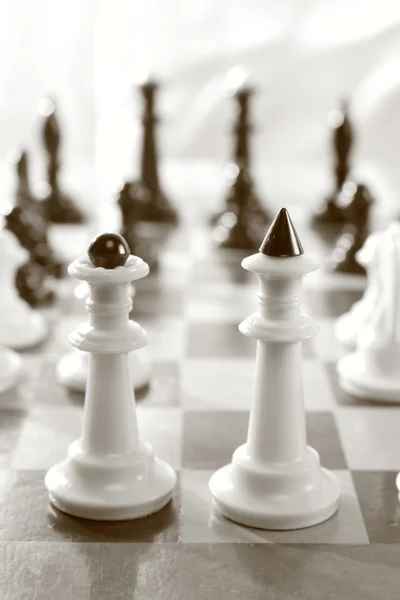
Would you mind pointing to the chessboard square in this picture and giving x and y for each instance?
(370, 437)
(221, 303)
(325, 345)
(200, 522)
(228, 383)
(166, 338)
(11, 424)
(217, 383)
(162, 427)
(209, 438)
(219, 340)
(322, 435)
(159, 302)
(45, 437)
(164, 389)
(317, 389)
(378, 498)
(27, 515)
(51, 393)
(333, 303)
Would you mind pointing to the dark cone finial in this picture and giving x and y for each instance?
(282, 240)
(108, 250)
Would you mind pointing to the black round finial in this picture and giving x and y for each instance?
(108, 250)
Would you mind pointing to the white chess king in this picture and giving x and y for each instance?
(109, 472)
(275, 480)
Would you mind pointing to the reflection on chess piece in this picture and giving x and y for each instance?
(109, 472)
(372, 370)
(356, 201)
(60, 208)
(241, 154)
(20, 326)
(239, 226)
(158, 209)
(331, 211)
(275, 480)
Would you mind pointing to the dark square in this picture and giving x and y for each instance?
(332, 303)
(322, 434)
(377, 496)
(26, 515)
(210, 438)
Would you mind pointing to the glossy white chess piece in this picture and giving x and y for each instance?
(109, 472)
(11, 367)
(349, 324)
(72, 368)
(372, 370)
(275, 480)
(20, 326)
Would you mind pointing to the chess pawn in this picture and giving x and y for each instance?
(239, 226)
(109, 472)
(20, 326)
(275, 480)
(372, 370)
(332, 212)
(349, 324)
(357, 201)
(72, 369)
(59, 207)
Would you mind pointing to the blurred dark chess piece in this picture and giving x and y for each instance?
(158, 209)
(239, 227)
(241, 154)
(31, 231)
(60, 208)
(25, 198)
(132, 200)
(356, 201)
(331, 212)
(32, 283)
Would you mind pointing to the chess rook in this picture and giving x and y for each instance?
(109, 473)
(275, 480)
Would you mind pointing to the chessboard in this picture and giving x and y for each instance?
(195, 414)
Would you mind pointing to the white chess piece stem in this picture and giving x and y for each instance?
(275, 481)
(110, 473)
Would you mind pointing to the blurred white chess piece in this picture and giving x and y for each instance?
(349, 324)
(20, 326)
(372, 370)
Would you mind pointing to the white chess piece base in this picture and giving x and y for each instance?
(358, 381)
(347, 327)
(20, 334)
(72, 369)
(111, 488)
(10, 369)
(275, 499)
